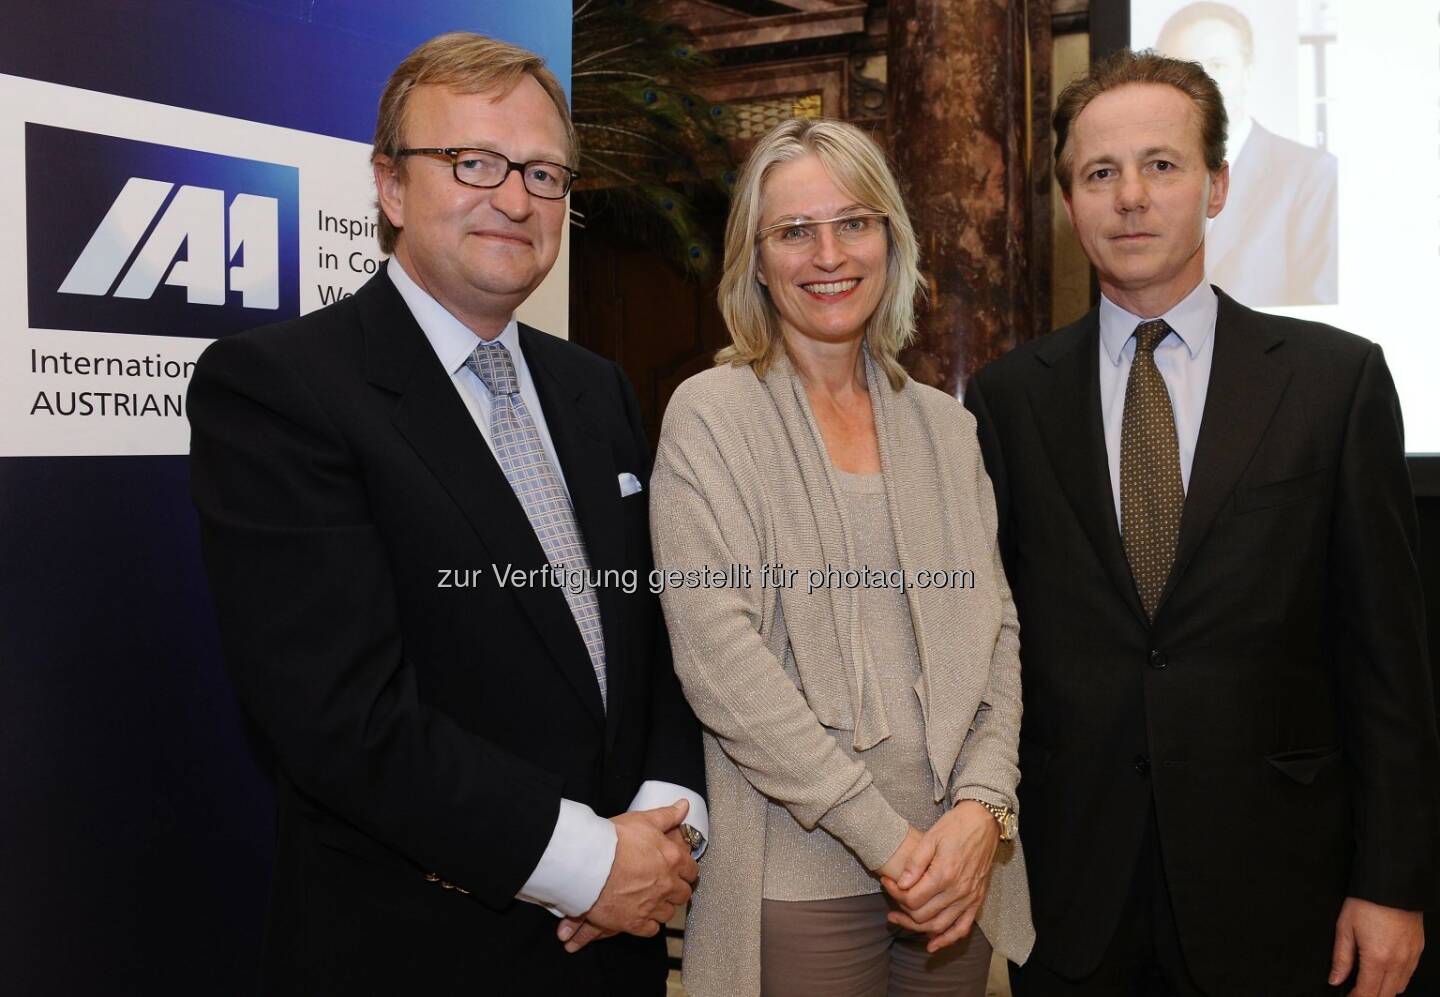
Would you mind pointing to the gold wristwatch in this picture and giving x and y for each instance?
(1004, 816)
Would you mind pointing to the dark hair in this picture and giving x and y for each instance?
(1126, 67)
(1188, 17)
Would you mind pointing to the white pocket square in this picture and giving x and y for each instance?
(629, 484)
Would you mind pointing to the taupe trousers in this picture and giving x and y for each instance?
(846, 948)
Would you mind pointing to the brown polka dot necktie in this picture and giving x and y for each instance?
(1151, 492)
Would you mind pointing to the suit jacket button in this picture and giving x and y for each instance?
(1142, 764)
(1158, 659)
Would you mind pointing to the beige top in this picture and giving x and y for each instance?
(742, 478)
(815, 865)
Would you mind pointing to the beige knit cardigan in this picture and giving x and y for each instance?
(742, 478)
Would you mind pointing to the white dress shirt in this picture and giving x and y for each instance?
(576, 862)
(453, 343)
(1183, 358)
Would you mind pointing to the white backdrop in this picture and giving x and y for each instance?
(1384, 128)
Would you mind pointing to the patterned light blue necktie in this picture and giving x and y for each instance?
(538, 486)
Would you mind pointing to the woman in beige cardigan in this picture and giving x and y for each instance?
(838, 612)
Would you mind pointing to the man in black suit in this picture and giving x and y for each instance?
(1277, 242)
(426, 530)
(1229, 761)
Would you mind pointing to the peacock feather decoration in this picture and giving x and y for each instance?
(644, 137)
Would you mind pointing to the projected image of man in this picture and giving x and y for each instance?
(1276, 242)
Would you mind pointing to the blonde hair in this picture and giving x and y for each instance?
(466, 63)
(856, 164)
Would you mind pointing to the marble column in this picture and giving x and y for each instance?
(969, 85)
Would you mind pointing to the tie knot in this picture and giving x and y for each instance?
(1149, 334)
(493, 364)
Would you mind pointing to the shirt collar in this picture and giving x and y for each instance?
(451, 339)
(1192, 319)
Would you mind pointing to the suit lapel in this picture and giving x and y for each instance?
(1247, 379)
(1066, 403)
(593, 480)
(435, 422)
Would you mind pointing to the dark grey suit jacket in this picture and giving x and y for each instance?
(425, 733)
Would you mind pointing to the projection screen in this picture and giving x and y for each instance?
(1334, 209)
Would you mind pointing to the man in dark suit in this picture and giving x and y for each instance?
(1277, 242)
(1229, 761)
(426, 530)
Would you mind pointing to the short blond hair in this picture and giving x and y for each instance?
(465, 63)
(858, 165)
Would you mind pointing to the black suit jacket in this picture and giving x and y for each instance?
(424, 733)
(1277, 715)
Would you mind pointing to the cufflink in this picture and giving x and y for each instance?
(434, 877)
(694, 840)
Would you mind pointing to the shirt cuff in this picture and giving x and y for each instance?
(655, 793)
(576, 863)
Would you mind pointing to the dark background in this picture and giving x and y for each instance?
(1427, 980)
(137, 823)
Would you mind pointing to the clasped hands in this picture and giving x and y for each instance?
(940, 878)
(652, 875)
